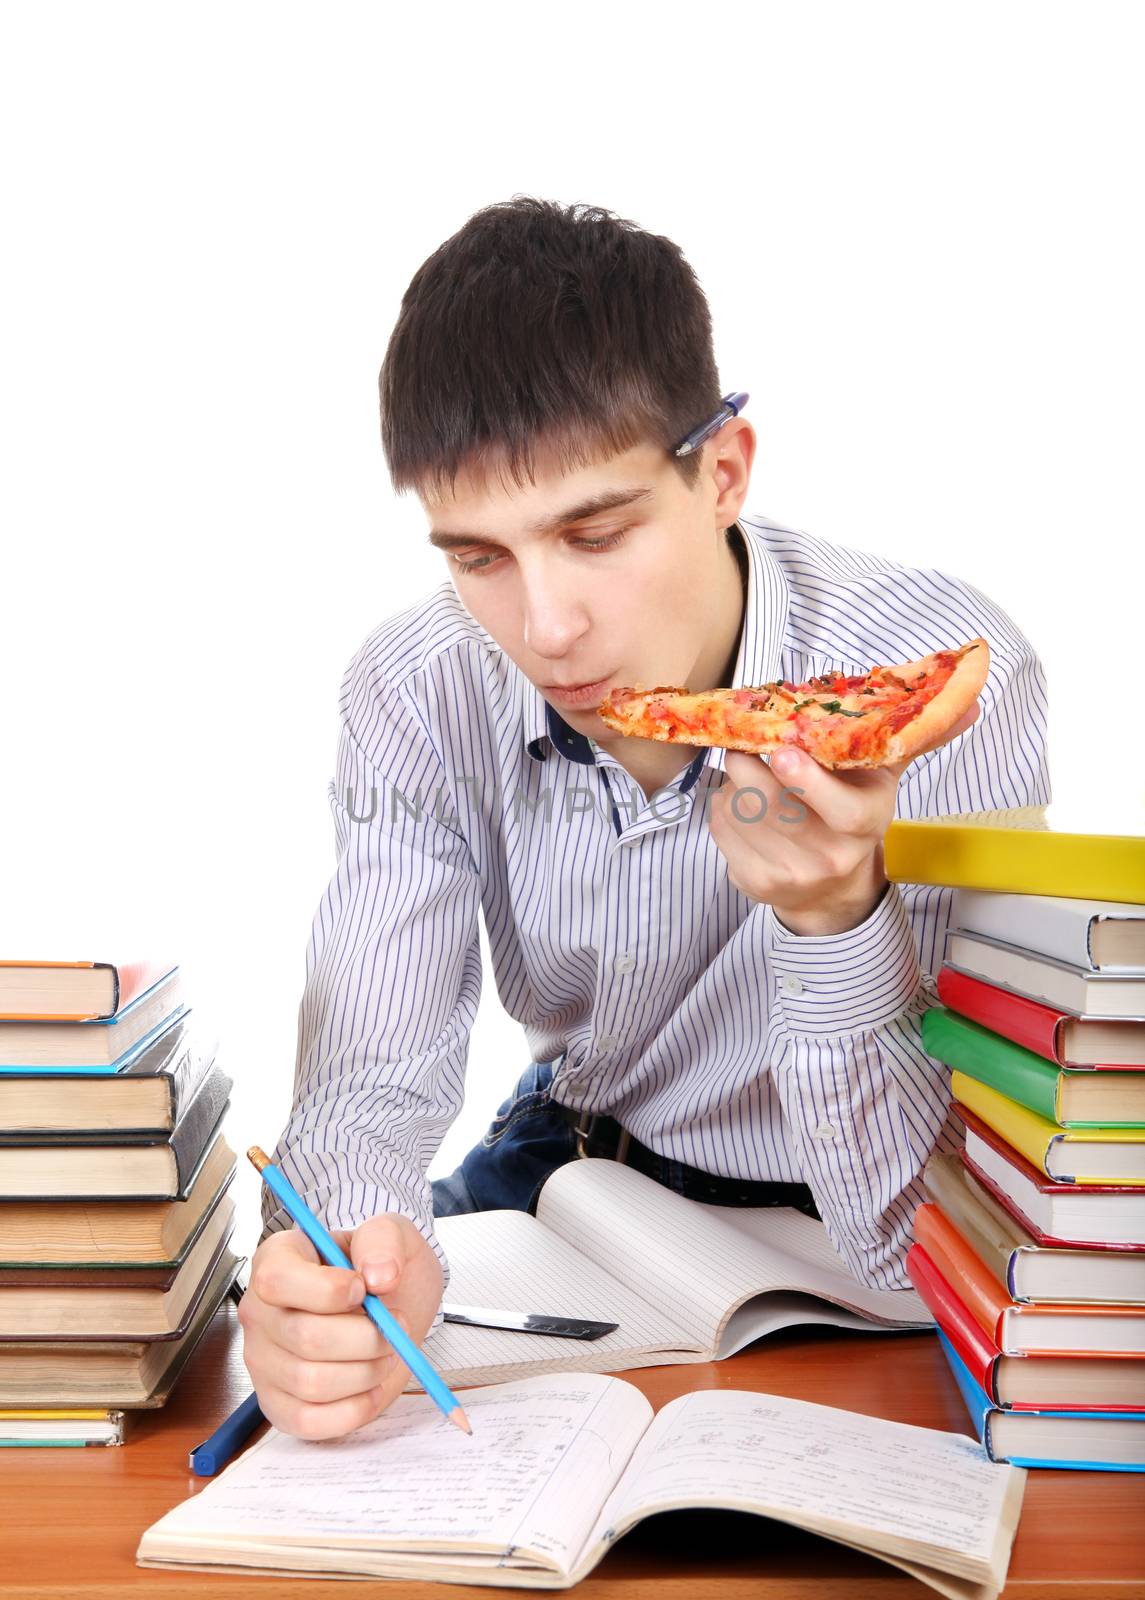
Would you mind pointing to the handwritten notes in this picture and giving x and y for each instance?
(889, 1485)
(559, 1466)
(530, 1478)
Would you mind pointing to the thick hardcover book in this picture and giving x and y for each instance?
(1068, 1155)
(58, 1308)
(1025, 1329)
(1082, 933)
(105, 1045)
(1026, 1383)
(1095, 1216)
(1107, 995)
(115, 1232)
(1026, 1267)
(1086, 1441)
(1058, 1035)
(136, 1166)
(135, 1375)
(1023, 850)
(74, 991)
(560, 1467)
(1086, 1099)
(147, 1096)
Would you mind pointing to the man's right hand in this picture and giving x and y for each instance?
(319, 1365)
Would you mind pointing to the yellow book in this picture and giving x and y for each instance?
(1026, 850)
(63, 1415)
(1105, 1155)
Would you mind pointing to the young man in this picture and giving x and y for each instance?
(715, 979)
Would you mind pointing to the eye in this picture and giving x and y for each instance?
(478, 564)
(607, 541)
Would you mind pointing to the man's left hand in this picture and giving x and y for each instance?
(808, 841)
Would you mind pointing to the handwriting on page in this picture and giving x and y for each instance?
(790, 1456)
(533, 1475)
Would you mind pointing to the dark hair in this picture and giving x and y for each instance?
(540, 324)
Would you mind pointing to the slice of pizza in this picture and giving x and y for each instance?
(874, 719)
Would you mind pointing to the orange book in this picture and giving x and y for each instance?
(1027, 1328)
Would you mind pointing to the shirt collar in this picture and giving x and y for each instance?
(757, 660)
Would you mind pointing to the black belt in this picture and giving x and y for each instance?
(603, 1136)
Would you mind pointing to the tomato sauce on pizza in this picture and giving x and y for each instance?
(869, 719)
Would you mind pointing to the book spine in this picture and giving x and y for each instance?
(200, 1117)
(1047, 925)
(1096, 997)
(1044, 1143)
(1047, 1241)
(980, 1292)
(974, 1397)
(988, 1228)
(1005, 1066)
(1016, 860)
(1026, 1022)
(1015, 1125)
(967, 1336)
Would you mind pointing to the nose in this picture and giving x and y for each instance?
(554, 618)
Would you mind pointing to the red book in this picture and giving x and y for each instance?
(1088, 1215)
(1026, 1383)
(1057, 1036)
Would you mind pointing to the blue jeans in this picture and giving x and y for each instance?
(527, 1139)
(531, 1136)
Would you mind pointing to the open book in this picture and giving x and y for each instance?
(560, 1467)
(685, 1282)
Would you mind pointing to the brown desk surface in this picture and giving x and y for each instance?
(70, 1520)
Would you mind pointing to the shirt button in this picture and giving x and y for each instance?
(791, 984)
(827, 1132)
(624, 963)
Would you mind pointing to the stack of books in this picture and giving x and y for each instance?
(1030, 1248)
(115, 1220)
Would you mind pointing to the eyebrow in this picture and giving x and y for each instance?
(607, 500)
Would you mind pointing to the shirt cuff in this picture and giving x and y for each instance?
(843, 983)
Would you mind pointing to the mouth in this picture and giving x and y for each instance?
(577, 694)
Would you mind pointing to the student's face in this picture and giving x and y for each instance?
(577, 590)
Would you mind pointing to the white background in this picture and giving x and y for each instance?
(918, 228)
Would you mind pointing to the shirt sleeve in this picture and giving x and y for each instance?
(864, 1104)
(393, 976)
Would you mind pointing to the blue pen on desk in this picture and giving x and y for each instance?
(382, 1318)
(215, 1452)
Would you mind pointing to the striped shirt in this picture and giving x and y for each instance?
(682, 1008)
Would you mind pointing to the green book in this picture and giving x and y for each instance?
(1085, 1098)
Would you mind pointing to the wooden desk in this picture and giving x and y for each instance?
(70, 1520)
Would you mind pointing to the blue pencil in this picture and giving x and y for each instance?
(215, 1452)
(437, 1389)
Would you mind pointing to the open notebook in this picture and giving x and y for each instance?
(560, 1467)
(685, 1282)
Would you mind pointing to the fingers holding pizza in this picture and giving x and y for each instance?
(804, 834)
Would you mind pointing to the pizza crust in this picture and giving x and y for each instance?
(952, 701)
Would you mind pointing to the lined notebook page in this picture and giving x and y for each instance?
(543, 1456)
(913, 1492)
(800, 1250)
(510, 1261)
(701, 1261)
